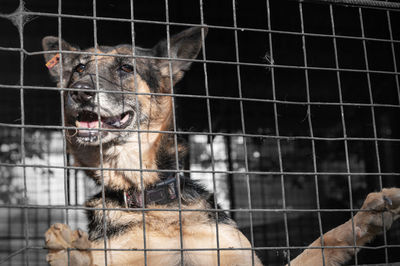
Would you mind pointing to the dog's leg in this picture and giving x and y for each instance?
(59, 237)
(383, 209)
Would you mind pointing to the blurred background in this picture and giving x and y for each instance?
(314, 130)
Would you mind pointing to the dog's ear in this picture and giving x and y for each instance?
(51, 43)
(184, 45)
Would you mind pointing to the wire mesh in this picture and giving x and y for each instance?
(290, 115)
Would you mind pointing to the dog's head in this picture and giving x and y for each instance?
(117, 97)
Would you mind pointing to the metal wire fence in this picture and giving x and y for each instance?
(290, 115)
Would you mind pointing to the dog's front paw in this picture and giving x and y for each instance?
(60, 238)
(383, 209)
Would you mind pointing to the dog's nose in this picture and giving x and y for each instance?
(86, 93)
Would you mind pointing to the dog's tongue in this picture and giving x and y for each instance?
(87, 124)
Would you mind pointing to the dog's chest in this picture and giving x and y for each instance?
(116, 220)
(103, 223)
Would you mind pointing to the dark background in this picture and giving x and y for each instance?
(42, 107)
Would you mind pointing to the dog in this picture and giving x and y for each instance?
(117, 128)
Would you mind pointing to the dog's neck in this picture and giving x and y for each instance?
(133, 163)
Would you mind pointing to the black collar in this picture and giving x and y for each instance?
(162, 192)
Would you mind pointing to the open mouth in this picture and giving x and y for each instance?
(88, 123)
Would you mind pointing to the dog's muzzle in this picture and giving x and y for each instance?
(89, 124)
(84, 93)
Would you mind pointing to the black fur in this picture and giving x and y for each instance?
(111, 76)
(191, 192)
(151, 76)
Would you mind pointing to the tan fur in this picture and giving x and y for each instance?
(194, 236)
(366, 226)
(126, 156)
(164, 228)
(163, 232)
(64, 238)
(155, 220)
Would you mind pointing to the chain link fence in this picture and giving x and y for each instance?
(290, 115)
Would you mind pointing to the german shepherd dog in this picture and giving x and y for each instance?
(97, 108)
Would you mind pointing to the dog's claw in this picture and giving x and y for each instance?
(383, 209)
(388, 200)
(59, 237)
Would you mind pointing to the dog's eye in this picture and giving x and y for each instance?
(80, 68)
(126, 68)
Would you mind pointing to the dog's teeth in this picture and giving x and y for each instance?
(77, 123)
(112, 121)
(124, 119)
(109, 120)
(116, 123)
